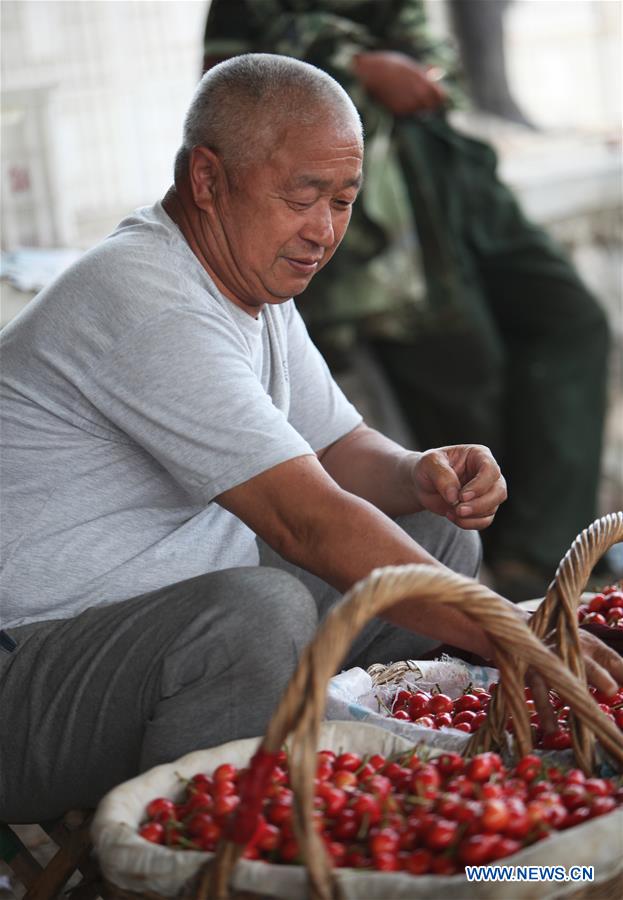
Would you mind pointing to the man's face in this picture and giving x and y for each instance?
(282, 219)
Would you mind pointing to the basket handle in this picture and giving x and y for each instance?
(302, 706)
(556, 621)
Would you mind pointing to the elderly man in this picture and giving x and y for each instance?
(186, 489)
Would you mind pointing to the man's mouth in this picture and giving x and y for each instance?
(304, 265)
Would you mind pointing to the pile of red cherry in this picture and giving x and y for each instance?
(605, 608)
(436, 710)
(408, 813)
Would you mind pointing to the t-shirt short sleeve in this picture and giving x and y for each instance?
(319, 411)
(182, 386)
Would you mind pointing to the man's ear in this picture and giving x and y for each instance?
(205, 171)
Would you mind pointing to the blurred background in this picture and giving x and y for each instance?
(93, 95)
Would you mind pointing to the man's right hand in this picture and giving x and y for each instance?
(398, 82)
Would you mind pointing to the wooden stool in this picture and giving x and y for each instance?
(71, 835)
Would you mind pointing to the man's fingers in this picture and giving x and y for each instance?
(442, 476)
(604, 667)
(600, 677)
(469, 523)
(540, 695)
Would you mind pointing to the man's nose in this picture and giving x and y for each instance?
(318, 227)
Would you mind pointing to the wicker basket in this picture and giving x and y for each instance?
(556, 623)
(515, 647)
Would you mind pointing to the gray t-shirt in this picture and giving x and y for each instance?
(133, 393)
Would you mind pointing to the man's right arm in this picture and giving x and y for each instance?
(300, 511)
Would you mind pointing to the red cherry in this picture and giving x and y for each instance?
(223, 806)
(573, 796)
(208, 836)
(425, 782)
(161, 809)
(575, 776)
(324, 769)
(337, 852)
(480, 767)
(334, 798)
(463, 726)
(356, 859)
(495, 815)
(419, 704)
(440, 703)
(269, 839)
(401, 700)
(379, 785)
(424, 722)
(478, 849)
(506, 846)
(443, 720)
(346, 825)
(152, 831)
(557, 740)
(450, 763)
(607, 699)
(601, 805)
(519, 823)
(467, 701)
(597, 603)
(419, 862)
(386, 840)
(289, 850)
(444, 865)
(344, 779)
(466, 715)
(200, 782)
(462, 785)
(350, 762)
(442, 834)
(385, 862)
(576, 816)
(529, 767)
(225, 772)
(368, 806)
(199, 800)
(224, 789)
(279, 812)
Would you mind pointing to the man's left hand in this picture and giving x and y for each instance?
(463, 483)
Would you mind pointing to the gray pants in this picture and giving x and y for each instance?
(88, 702)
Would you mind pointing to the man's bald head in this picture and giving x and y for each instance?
(243, 106)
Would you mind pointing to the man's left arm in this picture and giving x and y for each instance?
(462, 483)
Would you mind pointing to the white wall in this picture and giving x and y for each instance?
(564, 62)
(120, 75)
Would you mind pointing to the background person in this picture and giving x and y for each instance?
(503, 345)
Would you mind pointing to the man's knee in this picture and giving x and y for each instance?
(256, 614)
(455, 547)
(227, 668)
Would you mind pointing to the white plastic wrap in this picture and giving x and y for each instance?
(351, 697)
(134, 864)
